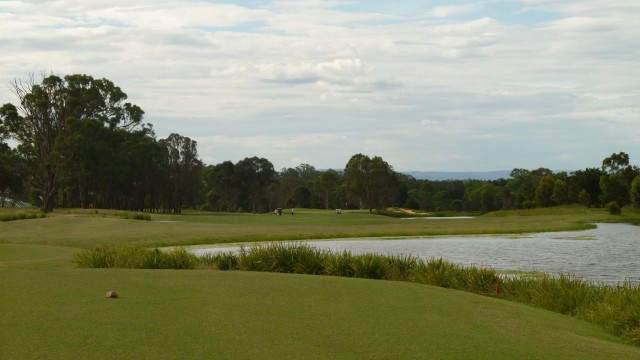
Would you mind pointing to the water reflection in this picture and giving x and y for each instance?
(609, 254)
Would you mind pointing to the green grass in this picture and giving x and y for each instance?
(615, 308)
(49, 309)
(17, 256)
(87, 229)
(170, 314)
(136, 258)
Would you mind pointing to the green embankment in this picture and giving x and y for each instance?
(49, 309)
(91, 228)
(170, 314)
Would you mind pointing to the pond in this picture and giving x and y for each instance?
(608, 254)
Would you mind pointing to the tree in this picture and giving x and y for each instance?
(620, 175)
(254, 175)
(442, 201)
(584, 198)
(289, 181)
(635, 192)
(371, 180)
(560, 192)
(143, 161)
(524, 187)
(589, 181)
(40, 122)
(544, 191)
(306, 172)
(12, 172)
(615, 163)
(490, 197)
(326, 184)
(222, 179)
(424, 195)
(184, 170)
(521, 187)
(614, 189)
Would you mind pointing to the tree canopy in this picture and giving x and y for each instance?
(80, 144)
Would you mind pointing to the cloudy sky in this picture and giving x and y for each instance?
(427, 85)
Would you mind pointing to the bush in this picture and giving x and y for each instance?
(613, 208)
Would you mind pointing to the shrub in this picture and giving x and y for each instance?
(613, 208)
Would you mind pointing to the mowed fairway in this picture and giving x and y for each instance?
(51, 310)
(63, 314)
(86, 229)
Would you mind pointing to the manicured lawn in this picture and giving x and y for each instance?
(85, 229)
(50, 309)
(170, 314)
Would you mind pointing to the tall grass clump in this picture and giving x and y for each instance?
(220, 261)
(178, 258)
(616, 309)
(21, 216)
(564, 293)
(370, 266)
(108, 257)
(401, 267)
(282, 257)
(136, 258)
(340, 264)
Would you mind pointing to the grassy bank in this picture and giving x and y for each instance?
(51, 309)
(615, 308)
(171, 314)
(87, 229)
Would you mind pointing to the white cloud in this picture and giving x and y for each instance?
(456, 88)
(454, 10)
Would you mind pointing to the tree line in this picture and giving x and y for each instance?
(81, 144)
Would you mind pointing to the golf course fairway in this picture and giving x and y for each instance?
(51, 310)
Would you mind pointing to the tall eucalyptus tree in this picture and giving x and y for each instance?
(44, 116)
(184, 171)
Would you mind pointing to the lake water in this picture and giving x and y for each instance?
(609, 254)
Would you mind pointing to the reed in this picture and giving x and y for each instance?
(285, 257)
(340, 264)
(220, 261)
(370, 266)
(136, 258)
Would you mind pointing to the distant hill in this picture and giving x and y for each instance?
(461, 175)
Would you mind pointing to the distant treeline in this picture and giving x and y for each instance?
(81, 145)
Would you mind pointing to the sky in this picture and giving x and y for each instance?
(426, 85)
